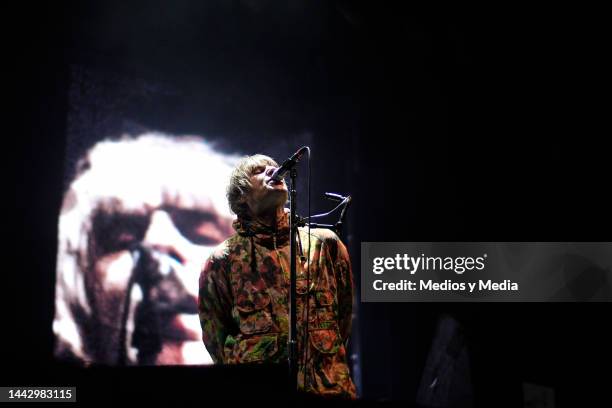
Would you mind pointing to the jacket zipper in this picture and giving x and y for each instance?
(280, 258)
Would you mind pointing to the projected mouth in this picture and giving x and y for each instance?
(155, 331)
(176, 310)
(167, 313)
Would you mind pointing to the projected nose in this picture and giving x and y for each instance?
(164, 237)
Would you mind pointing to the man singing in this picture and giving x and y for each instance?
(244, 287)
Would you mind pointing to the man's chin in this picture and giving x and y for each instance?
(279, 188)
(183, 352)
(183, 327)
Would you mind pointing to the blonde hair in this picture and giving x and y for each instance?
(163, 167)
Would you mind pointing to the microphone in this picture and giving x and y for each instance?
(288, 164)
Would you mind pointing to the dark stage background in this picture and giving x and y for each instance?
(471, 124)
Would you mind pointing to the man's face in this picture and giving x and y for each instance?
(162, 249)
(265, 195)
(157, 209)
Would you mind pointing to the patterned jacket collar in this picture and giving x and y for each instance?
(264, 234)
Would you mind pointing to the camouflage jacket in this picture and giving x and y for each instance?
(243, 303)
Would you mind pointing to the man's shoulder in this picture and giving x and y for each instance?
(224, 250)
(321, 233)
(325, 235)
(216, 265)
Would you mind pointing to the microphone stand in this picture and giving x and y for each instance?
(293, 224)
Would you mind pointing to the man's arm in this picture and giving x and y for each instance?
(214, 307)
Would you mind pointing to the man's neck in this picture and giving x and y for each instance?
(270, 218)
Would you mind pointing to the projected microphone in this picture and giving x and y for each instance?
(282, 171)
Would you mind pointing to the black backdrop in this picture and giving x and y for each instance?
(451, 124)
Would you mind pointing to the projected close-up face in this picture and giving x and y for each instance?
(136, 225)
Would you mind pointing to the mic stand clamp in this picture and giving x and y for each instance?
(337, 227)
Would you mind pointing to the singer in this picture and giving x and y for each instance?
(244, 287)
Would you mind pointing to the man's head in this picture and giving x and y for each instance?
(251, 192)
(136, 225)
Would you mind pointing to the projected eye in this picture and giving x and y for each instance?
(116, 232)
(201, 228)
(259, 169)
